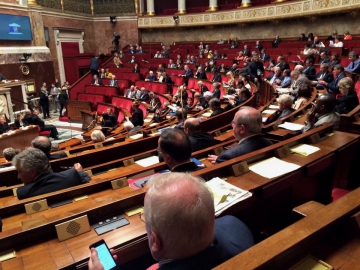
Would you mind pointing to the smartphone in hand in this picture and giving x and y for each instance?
(105, 256)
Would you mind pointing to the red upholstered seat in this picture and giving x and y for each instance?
(143, 108)
(43, 133)
(357, 88)
(121, 117)
(337, 193)
(122, 102)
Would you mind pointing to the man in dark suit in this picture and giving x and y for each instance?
(216, 92)
(323, 58)
(256, 68)
(144, 96)
(44, 144)
(137, 117)
(275, 78)
(246, 50)
(188, 73)
(217, 77)
(276, 42)
(4, 127)
(264, 57)
(333, 87)
(200, 74)
(94, 65)
(354, 65)
(174, 148)
(198, 139)
(204, 100)
(96, 81)
(215, 106)
(35, 172)
(309, 70)
(37, 121)
(258, 46)
(282, 64)
(113, 81)
(246, 125)
(324, 74)
(183, 233)
(27, 118)
(203, 88)
(151, 77)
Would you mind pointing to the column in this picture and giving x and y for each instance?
(213, 5)
(245, 3)
(181, 7)
(35, 14)
(150, 8)
(141, 7)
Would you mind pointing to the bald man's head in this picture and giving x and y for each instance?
(325, 103)
(192, 126)
(247, 121)
(27, 111)
(42, 143)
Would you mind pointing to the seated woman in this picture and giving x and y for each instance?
(303, 95)
(285, 103)
(231, 80)
(19, 121)
(349, 100)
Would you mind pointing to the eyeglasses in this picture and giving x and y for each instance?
(142, 217)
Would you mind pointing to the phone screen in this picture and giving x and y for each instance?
(105, 257)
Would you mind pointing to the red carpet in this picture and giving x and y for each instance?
(64, 118)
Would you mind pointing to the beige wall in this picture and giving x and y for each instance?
(322, 26)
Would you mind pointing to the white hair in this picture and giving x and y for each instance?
(207, 94)
(128, 126)
(184, 221)
(97, 136)
(286, 100)
(299, 68)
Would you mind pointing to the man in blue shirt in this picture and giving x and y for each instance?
(354, 65)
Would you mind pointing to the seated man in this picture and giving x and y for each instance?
(217, 92)
(275, 78)
(322, 112)
(9, 153)
(151, 77)
(215, 106)
(204, 100)
(4, 127)
(188, 73)
(324, 74)
(181, 116)
(37, 121)
(97, 136)
(144, 96)
(130, 128)
(174, 148)
(27, 120)
(200, 74)
(333, 87)
(113, 81)
(182, 230)
(198, 139)
(44, 144)
(246, 125)
(203, 88)
(309, 69)
(35, 172)
(96, 81)
(354, 65)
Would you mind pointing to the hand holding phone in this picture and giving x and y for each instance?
(101, 257)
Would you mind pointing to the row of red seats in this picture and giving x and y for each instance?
(123, 84)
(157, 87)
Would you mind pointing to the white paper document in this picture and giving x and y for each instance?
(276, 107)
(273, 167)
(136, 136)
(207, 114)
(147, 120)
(146, 162)
(282, 90)
(304, 149)
(269, 111)
(234, 194)
(291, 126)
(227, 96)
(153, 124)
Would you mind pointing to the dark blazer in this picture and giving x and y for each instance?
(203, 102)
(28, 119)
(216, 94)
(4, 128)
(276, 43)
(284, 113)
(136, 70)
(94, 64)
(328, 77)
(137, 118)
(98, 80)
(217, 111)
(187, 167)
(332, 63)
(151, 78)
(17, 124)
(254, 67)
(50, 182)
(144, 97)
(37, 121)
(246, 52)
(168, 80)
(114, 83)
(265, 57)
(201, 140)
(231, 237)
(333, 86)
(345, 104)
(63, 97)
(201, 75)
(259, 47)
(188, 73)
(44, 100)
(56, 155)
(217, 78)
(324, 61)
(269, 78)
(283, 66)
(310, 72)
(203, 89)
(246, 146)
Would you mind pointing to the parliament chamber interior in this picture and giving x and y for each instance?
(101, 99)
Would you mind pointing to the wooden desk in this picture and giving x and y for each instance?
(20, 139)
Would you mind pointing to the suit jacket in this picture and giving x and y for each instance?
(345, 104)
(265, 57)
(99, 81)
(137, 118)
(186, 167)
(168, 80)
(203, 89)
(246, 52)
(231, 237)
(151, 78)
(114, 83)
(136, 70)
(201, 75)
(332, 117)
(332, 63)
(284, 113)
(259, 47)
(44, 100)
(333, 86)
(203, 102)
(37, 121)
(132, 93)
(276, 42)
(18, 125)
(271, 76)
(94, 64)
(49, 182)
(144, 97)
(216, 94)
(27, 119)
(310, 72)
(354, 66)
(327, 77)
(283, 66)
(217, 78)
(246, 146)
(324, 61)
(201, 140)
(57, 156)
(4, 128)
(217, 111)
(63, 97)
(188, 73)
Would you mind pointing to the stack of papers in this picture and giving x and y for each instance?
(146, 162)
(136, 136)
(225, 194)
(207, 114)
(147, 120)
(304, 149)
(172, 107)
(291, 126)
(273, 167)
(283, 90)
(276, 107)
(153, 124)
(227, 96)
(269, 111)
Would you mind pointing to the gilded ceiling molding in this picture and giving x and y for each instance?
(273, 12)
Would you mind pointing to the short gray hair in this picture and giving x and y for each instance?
(97, 136)
(165, 208)
(252, 122)
(30, 160)
(354, 54)
(299, 68)
(9, 153)
(286, 100)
